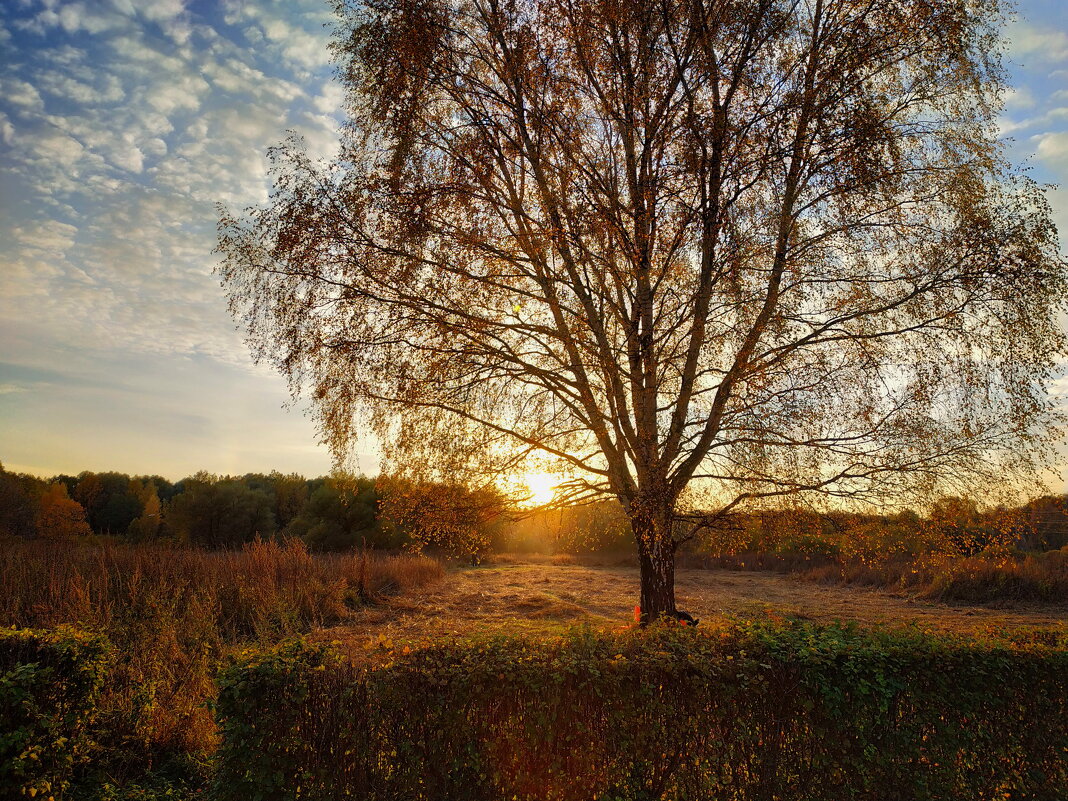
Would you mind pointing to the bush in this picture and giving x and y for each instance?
(747, 712)
(49, 686)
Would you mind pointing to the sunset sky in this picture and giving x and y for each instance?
(122, 124)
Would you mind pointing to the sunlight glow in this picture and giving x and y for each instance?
(541, 486)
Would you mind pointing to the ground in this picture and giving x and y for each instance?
(541, 597)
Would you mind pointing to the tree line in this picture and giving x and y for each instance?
(339, 512)
(329, 513)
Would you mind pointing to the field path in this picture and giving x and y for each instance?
(545, 598)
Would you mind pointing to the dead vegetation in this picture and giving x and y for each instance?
(174, 614)
(541, 595)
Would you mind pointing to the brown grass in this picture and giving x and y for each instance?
(607, 559)
(173, 614)
(539, 598)
(995, 577)
(266, 588)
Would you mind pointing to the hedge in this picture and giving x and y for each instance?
(49, 685)
(769, 711)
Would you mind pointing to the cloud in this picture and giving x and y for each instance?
(108, 88)
(161, 10)
(72, 18)
(1053, 149)
(129, 158)
(330, 97)
(123, 142)
(57, 147)
(1049, 116)
(51, 236)
(1059, 389)
(1036, 110)
(1020, 97)
(7, 130)
(1029, 43)
(20, 93)
(295, 32)
(155, 147)
(183, 92)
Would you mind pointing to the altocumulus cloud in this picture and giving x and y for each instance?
(1035, 119)
(122, 123)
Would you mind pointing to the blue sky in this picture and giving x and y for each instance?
(122, 123)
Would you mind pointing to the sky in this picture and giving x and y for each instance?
(122, 124)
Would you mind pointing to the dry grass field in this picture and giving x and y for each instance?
(542, 597)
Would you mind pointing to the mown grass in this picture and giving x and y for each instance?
(998, 575)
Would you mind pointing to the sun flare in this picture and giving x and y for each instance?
(541, 487)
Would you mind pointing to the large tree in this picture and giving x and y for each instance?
(763, 247)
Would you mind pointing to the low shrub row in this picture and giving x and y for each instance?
(49, 686)
(755, 711)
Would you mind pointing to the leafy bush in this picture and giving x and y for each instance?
(49, 686)
(448, 518)
(341, 514)
(747, 712)
(220, 512)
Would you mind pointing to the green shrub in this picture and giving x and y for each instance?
(49, 685)
(747, 712)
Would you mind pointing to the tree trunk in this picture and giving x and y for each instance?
(656, 558)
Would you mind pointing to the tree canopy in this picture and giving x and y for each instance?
(763, 247)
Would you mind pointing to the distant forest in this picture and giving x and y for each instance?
(336, 513)
(203, 509)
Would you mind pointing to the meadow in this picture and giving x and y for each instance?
(546, 596)
(169, 628)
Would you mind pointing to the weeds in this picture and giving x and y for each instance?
(174, 613)
(989, 577)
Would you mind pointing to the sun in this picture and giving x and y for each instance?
(541, 486)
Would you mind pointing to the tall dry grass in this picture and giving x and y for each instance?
(998, 577)
(266, 588)
(173, 614)
(993, 577)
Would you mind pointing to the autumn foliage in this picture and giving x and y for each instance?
(448, 518)
(693, 255)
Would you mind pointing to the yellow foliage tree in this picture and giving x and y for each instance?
(60, 517)
(451, 518)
